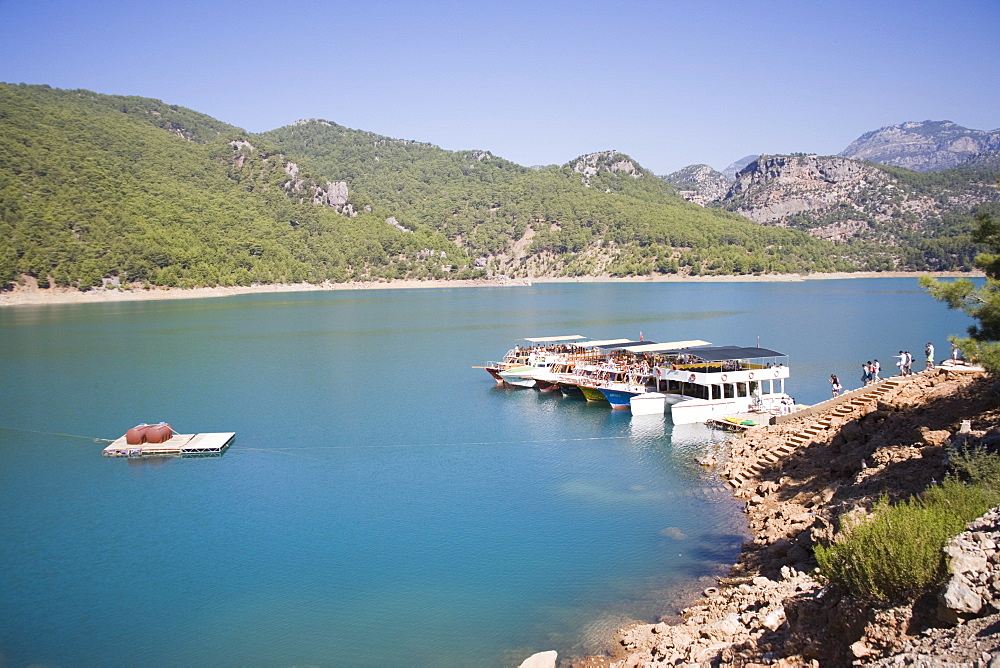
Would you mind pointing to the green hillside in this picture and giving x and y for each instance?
(98, 189)
(95, 187)
(552, 221)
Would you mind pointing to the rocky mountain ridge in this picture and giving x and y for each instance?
(838, 198)
(925, 146)
(861, 190)
(850, 201)
(732, 170)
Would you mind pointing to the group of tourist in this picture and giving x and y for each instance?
(870, 370)
(905, 363)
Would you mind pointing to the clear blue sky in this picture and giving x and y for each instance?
(670, 83)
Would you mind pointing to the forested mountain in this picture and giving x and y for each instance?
(600, 214)
(99, 189)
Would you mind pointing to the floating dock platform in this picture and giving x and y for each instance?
(186, 445)
(757, 418)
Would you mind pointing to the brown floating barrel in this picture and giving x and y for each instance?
(137, 434)
(159, 433)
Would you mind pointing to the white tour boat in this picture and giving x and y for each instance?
(716, 381)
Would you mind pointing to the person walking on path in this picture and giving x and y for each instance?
(929, 350)
(909, 362)
(876, 369)
(835, 384)
(901, 363)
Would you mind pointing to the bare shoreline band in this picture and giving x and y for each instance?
(21, 296)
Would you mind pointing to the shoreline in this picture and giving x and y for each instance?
(797, 480)
(33, 296)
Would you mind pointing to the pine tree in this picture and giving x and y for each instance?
(983, 304)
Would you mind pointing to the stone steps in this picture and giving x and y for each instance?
(815, 430)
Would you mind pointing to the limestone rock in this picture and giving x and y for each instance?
(774, 619)
(960, 597)
(541, 660)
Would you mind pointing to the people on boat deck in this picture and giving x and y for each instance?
(835, 384)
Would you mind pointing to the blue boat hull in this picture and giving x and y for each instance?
(617, 398)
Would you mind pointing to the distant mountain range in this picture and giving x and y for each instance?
(99, 190)
(923, 209)
(929, 146)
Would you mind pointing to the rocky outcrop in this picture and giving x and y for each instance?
(835, 198)
(973, 587)
(699, 184)
(605, 161)
(923, 147)
(391, 220)
(773, 189)
(258, 169)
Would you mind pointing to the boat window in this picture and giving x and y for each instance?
(728, 390)
(695, 390)
(716, 391)
(741, 389)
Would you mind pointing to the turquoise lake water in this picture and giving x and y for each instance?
(384, 503)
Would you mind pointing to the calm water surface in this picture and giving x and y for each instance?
(383, 504)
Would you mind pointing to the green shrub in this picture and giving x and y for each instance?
(896, 555)
(976, 466)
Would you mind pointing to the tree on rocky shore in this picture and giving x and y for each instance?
(983, 304)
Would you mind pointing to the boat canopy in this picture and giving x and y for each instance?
(624, 345)
(649, 347)
(727, 353)
(605, 342)
(554, 339)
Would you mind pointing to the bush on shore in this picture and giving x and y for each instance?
(896, 554)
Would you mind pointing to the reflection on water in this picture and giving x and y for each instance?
(647, 427)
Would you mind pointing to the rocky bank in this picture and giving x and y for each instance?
(797, 479)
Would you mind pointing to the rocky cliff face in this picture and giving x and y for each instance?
(838, 198)
(263, 169)
(699, 184)
(841, 196)
(923, 147)
(732, 170)
(610, 161)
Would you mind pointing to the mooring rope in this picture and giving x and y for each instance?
(291, 450)
(431, 445)
(56, 433)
